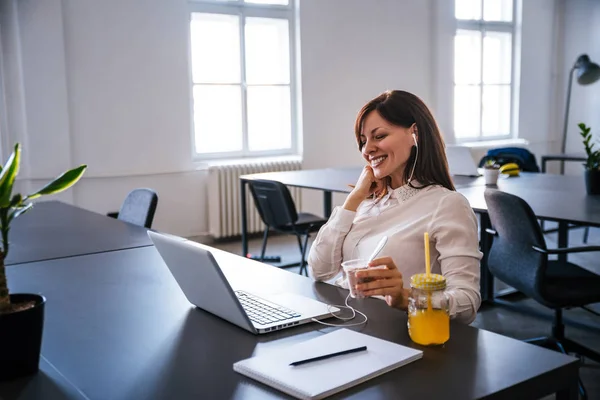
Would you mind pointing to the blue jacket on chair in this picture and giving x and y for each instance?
(504, 155)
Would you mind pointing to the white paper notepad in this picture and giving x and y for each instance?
(323, 378)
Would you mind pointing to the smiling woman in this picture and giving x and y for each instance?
(389, 130)
(401, 194)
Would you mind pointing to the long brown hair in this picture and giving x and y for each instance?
(404, 109)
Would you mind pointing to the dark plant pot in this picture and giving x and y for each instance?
(21, 338)
(592, 181)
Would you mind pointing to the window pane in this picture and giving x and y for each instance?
(497, 57)
(467, 57)
(466, 111)
(218, 118)
(467, 9)
(278, 2)
(215, 42)
(269, 118)
(267, 51)
(496, 110)
(498, 10)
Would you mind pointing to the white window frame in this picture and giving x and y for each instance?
(483, 26)
(243, 10)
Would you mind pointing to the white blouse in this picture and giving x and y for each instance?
(404, 215)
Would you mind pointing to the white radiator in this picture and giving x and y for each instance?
(224, 208)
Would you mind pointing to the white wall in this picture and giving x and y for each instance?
(538, 75)
(106, 83)
(581, 36)
(352, 50)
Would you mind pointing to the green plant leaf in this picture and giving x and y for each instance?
(63, 182)
(8, 175)
(19, 211)
(16, 200)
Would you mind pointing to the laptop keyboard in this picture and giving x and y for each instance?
(263, 312)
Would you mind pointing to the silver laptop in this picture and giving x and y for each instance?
(460, 161)
(203, 283)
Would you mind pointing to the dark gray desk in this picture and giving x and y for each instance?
(47, 384)
(53, 229)
(118, 327)
(552, 197)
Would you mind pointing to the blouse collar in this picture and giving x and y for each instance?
(392, 198)
(399, 195)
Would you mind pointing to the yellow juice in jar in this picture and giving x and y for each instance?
(429, 326)
(428, 317)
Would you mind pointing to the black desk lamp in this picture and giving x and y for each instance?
(587, 72)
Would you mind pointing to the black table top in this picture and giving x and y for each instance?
(52, 229)
(118, 327)
(552, 197)
(47, 384)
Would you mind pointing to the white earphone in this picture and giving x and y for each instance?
(414, 135)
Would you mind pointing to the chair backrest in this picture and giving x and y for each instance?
(273, 202)
(511, 257)
(139, 207)
(504, 155)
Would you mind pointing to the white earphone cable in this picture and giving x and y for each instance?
(354, 312)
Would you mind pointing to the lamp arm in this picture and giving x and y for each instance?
(566, 121)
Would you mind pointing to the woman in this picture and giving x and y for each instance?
(404, 190)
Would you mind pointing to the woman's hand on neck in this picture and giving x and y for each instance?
(366, 186)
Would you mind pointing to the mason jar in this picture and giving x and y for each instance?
(428, 310)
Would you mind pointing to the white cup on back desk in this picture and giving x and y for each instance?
(491, 175)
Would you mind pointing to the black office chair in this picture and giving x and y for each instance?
(278, 212)
(519, 257)
(138, 207)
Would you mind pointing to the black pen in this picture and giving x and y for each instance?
(326, 356)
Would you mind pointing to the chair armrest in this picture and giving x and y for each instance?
(566, 250)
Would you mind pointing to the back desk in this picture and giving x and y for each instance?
(118, 327)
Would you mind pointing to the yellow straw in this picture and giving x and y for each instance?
(427, 264)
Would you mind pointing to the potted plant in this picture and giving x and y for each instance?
(592, 164)
(491, 170)
(21, 315)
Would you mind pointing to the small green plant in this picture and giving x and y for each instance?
(14, 205)
(593, 156)
(491, 163)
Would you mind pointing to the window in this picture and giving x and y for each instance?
(483, 69)
(243, 86)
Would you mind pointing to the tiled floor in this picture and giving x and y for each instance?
(493, 318)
